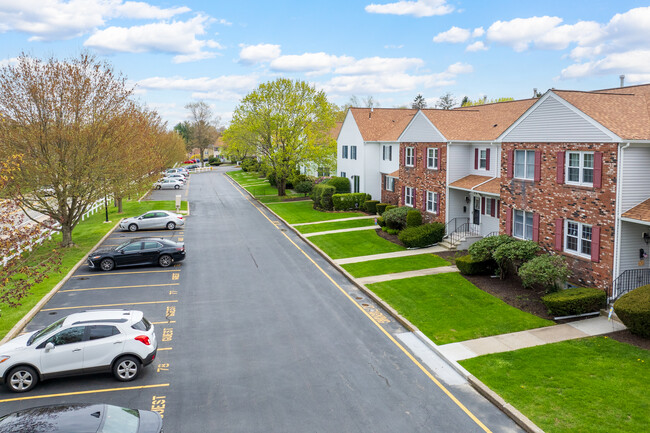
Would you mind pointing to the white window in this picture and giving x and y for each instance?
(355, 183)
(343, 174)
(388, 153)
(432, 202)
(482, 158)
(410, 156)
(577, 238)
(409, 195)
(432, 158)
(344, 152)
(389, 183)
(522, 225)
(353, 152)
(488, 206)
(525, 164)
(580, 168)
(323, 171)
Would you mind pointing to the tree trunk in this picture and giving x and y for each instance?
(119, 204)
(282, 183)
(66, 233)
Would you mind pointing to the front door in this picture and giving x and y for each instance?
(476, 215)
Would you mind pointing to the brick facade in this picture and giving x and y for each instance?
(553, 201)
(424, 179)
(390, 197)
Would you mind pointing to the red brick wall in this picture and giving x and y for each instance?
(390, 197)
(423, 179)
(588, 205)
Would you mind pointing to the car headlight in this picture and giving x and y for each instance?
(95, 257)
(3, 358)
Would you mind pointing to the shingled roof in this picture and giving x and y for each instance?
(382, 124)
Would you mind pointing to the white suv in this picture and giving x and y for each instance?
(116, 341)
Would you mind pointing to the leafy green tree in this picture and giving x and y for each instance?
(484, 100)
(289, 122)
(183, 129)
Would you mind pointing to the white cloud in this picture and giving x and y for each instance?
(178, 37)
(224, 22)
(478, 32)
(7, 62)
(520, 32)
(379, 65)
(224, 88)
(60, 19)
(394, 47)
(454, 35)
(418, 8)
(314, 63)
(251, 54)
(476, 46)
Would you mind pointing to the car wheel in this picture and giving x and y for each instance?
(158, 186)
(22, 379)
(107, 264)
(171, 225)
(165, 260)
(126, 368)
(133, 227)
(176, 186)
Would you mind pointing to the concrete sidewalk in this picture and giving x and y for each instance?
(407, 274)
(533, 337)
(353, 229)
(405, 253)
(333, 221)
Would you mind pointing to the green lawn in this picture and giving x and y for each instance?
(353, 244)
(258, 190)
(277, 198)
(590, 385)
(391, 266)
(303, 212)
(85, 236)
(448, 308)
(337, 225)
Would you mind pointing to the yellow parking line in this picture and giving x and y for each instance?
(118, 287)
(108, 305)
(164, 348)
(124, 273)
(94, 391)
(163, 323)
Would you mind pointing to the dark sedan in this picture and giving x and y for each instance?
(138, 251)
(81, 418)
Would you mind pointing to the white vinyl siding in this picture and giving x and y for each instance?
(421, 130)
(635, 177)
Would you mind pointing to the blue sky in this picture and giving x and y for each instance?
(176, 52)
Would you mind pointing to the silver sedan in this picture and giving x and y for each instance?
(154, 219)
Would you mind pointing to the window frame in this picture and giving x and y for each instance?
(523, 223)
(581, 167)
(356, 183)
(353, 152)
(482, 159)
(409, 154)
(432, 203)
(433, 158)
(526, 165)
(409, 196)
(343, 174)
(389, 183)
(581, 241)
(344, 151)
(387, 152)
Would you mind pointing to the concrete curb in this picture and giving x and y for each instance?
(13, 332)
(519, 418)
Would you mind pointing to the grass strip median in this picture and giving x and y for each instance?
(304, 212)
(354, 244)
(395, 265)
(336, 225)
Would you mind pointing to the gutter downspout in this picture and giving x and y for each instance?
(618, 223)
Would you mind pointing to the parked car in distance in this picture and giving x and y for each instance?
(117, 341)
(137, 251)
(81, 418)
(154, 219)
(178, 176)
(167, 183)
(191, 167)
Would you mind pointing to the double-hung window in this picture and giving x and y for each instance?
(355, 183)
(409, 159)
(580, 168)
(353, 152)
(323, 171)
(432, 202)
(482, 159)
(343, 174)
(522, 225)
(409, 195)
(577, 238)
(344, 152)
(387, 152)
(525, 164)
(432, 158)
(389, 183)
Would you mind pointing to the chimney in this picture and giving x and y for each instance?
(622, 77)
(534, 92)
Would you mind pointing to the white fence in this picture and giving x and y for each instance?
(93, 208)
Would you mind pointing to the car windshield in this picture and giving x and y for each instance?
(122, 245)
(120, 420)
(53, 327)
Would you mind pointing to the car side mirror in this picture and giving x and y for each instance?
(139, 218)
(49, 346)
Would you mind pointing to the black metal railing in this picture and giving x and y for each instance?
(452, 225)
(462, 232)
(491, 234)
(628, 281)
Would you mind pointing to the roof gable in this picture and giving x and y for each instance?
(382, 124)
(421, 130)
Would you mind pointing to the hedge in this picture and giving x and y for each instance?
(370, 206)
(570, 302)
(396, 218)
(467, 265)
(413, 218)
(390, 206)
(546, 271)
(322, 194)
(422, 236)
(633, 309)
(342, 184)
(349, 201)
(381, 208)
(483, 249)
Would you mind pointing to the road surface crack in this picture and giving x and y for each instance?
(378, 374)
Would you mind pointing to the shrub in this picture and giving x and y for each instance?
(273, 181)
(304, 187)
(349, 201)
(422, 235)
(322, 194)
(296, 178)
(545, 271)
(391, 231)
(396, 218)
(390, 206)
(580, 300)
(370, 206)
(514, 254)
(381, 222)
(633, 309)
(381, 208)
(250, 164)
(483, 249)
(342, 184)
(467, 265)
(413, 218)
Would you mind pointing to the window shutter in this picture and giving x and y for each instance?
(424, 201)
(510, 164)
(487, 159)
(390, 153)
(438, 202)
(493, 202)
(509, 221)
(559, 233)
(538, 165)
(475, 159)
(482, 205)
(498, 208)
(536, 227)
(414, 198)
(560, 168)
(598, 169)
(437, 153)
(403, 199)
(595, 243)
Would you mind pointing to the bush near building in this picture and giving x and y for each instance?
(422, 235)
(579, 300)
(633, 309)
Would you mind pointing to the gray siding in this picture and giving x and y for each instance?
(455, 203)
(551, 120)
(635, 176)
(460, 161)
(420, 130)
(631, 242)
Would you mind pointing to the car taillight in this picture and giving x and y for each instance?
(179, 217)
(180, 249)
(143, 339)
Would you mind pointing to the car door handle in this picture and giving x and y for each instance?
(77, 350)
(118, 342)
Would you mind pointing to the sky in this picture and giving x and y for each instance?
(174, 52)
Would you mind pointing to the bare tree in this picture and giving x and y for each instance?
(203, 126)
(446, 101)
